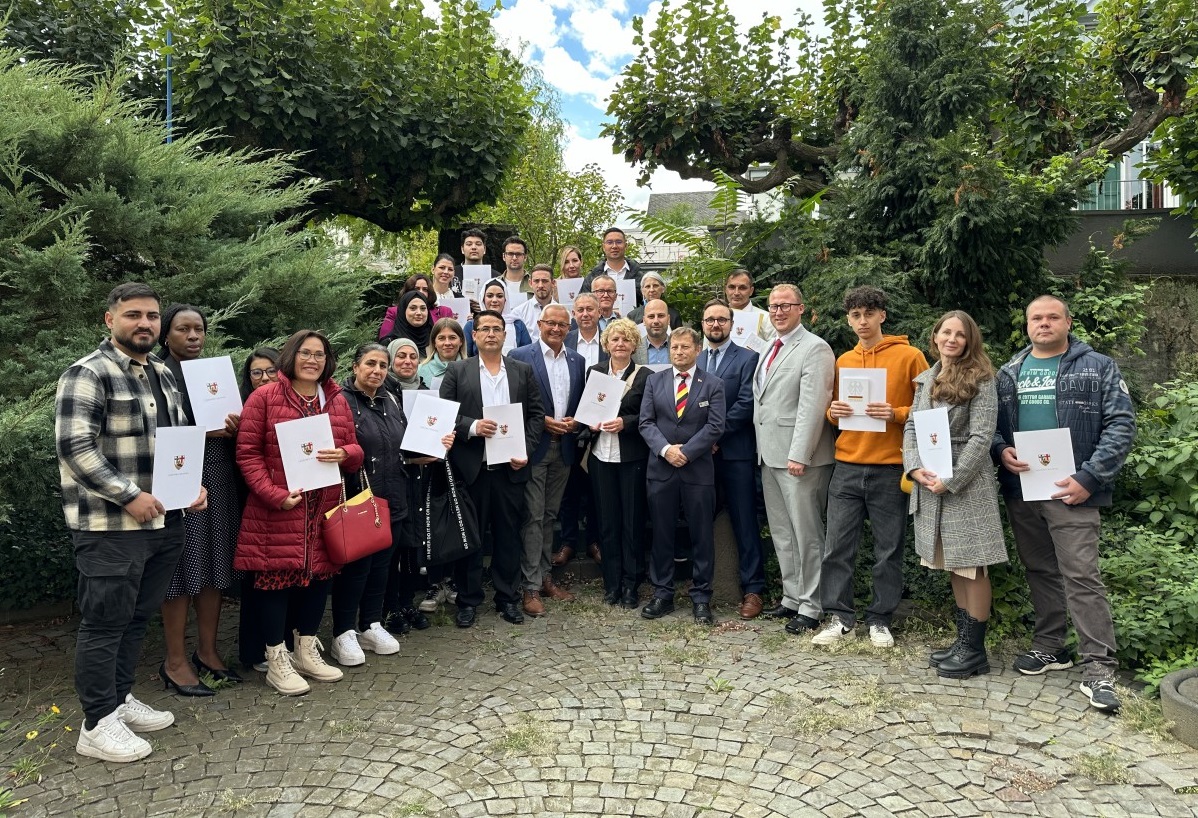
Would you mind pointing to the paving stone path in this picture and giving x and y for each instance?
(592, 711)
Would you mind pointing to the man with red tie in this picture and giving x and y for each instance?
(682, 419)
(792, 390)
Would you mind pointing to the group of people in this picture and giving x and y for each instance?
(708, 426)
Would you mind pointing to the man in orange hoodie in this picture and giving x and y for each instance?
(865, 480)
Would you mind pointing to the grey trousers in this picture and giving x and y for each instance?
(123, 577)
(543, 500)
(795, 507)
(1058, 546)
(858, 492)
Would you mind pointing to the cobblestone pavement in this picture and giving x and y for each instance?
(592, 711)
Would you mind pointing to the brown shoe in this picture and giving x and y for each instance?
(751, 607)
(553, 592)
(532, 604)
(563, 555)
(593, 553)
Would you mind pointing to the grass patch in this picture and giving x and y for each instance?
(348, 728)
(718, 685)
(686, 654)
(408, 809)
(28, 769)
(1104, 767)
(527, 737)
(230, 801)
(773, 641)
(1143, 715)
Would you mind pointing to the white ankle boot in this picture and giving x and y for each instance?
(280, 672)
(310, 663)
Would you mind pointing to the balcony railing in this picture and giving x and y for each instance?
(1129, 194)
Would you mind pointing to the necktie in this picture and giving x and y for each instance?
(773, 354)
(680, 399)
(713, 360)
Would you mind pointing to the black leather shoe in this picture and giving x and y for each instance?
(703, 614)
(781, 612)
(416, 619)
(657, 608)
(611, 598)
(396, 622)
(630, 601)
(800, 624)
(227, 675)
(466, 616)
(510, 611)
(200, 689)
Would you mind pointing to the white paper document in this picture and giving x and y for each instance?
(625, 296)
(213, 391)
(858, 388)
(474, 277)
(744, 328)
(600, 399)
(430, 420)
(409, 400)
(935, 443)
(508, 442)
(299, 441)
(1049, 452)
(460, 307)
(178, 465)
(515, 297)
(567, 291)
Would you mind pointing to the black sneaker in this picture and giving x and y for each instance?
(416, 618)
(802, 624)
(1102, 694)
(1035, 662)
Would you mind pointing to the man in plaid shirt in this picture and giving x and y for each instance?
(107, 410)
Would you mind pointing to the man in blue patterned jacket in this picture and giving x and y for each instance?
(1061, 382)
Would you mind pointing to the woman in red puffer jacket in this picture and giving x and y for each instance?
(280, 529)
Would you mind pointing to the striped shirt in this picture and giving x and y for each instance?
(105, 421)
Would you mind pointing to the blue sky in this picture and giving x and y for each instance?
(582, 46)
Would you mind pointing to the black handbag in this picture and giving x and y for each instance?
(450, 521)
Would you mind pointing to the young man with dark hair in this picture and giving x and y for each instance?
(108, 409)
(515, 255)
(865, 478)
(615, 263)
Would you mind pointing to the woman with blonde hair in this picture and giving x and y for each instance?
(957, 527)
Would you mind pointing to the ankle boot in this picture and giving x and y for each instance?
(310, 663)
(969, 658)
(280, 672)
(938, 656)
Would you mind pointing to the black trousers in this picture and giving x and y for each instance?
(359, 588)
(500, 504)
(123, 577)
(298, 606)
(697, 502)
(619, 492)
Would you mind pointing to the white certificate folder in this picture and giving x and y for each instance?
(934, 442)
(299, 441)
(213, 391)
(508, 442)
(178, 465)
(859, 388)
(430, 419)
(1049, 455)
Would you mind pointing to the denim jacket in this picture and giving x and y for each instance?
(1092, 401)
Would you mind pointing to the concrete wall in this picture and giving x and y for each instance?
(1168, 251)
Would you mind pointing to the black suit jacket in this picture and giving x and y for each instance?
(632, 445)
(463, 383)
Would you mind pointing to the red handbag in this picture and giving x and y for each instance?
(357, 527)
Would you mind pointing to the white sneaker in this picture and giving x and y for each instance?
(376, 640)
(879, 636)
(432, 597)
(141, 718)
(261, 667)
(112, 740)
(345, 650)
(833, 632)
(451, 592)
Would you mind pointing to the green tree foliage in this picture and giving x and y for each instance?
(410, 121)
(91, 196)
(550, 205)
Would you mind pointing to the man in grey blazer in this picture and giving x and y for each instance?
(792, 389)
(682, 419)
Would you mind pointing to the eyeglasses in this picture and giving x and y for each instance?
(306, 355)
(613, 242)
(258, 373)
(516, 255)
(782, 307)
(554, 324)
(604, 292)
(716, 321)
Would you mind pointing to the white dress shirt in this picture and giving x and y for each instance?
(530, 312)
(763, 369)
(589, 350)
(559, 378)
(495, 390)
(607, 445)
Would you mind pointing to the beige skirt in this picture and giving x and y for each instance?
(937, 563)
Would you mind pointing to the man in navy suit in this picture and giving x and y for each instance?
(736, 453)
(682, 419)
(560, 374)
(497, 489)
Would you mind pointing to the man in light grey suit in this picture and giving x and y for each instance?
(792, 389)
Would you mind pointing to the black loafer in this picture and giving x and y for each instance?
(800, 624)
(416, 619)
(466, 616)
(611, 598)
(657, 608)
(631, 601)
(703, 614)
(510, 611)
(781, 612)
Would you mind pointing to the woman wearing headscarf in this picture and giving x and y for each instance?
(412, 321)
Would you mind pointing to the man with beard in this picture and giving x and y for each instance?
(108, 409)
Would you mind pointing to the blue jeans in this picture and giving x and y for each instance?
(859, 492)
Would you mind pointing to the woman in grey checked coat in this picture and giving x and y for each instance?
(957, 527)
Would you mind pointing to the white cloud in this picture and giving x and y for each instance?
(528, 21)
(570, 77)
